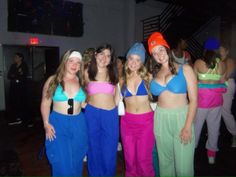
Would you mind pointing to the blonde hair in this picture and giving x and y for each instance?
(57, 78)
(143, 73)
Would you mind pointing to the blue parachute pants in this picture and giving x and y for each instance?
(103, 134)
(66, 152)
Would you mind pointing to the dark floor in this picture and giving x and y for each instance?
(21, 153)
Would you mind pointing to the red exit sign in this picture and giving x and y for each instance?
(34, 41)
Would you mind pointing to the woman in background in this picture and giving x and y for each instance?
(179, 53)
(227, 115)
(210, 71)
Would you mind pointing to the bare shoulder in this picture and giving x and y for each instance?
(230, 61)
(187, 68)
(199, 62)
(188, 71)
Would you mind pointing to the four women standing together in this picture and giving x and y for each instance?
(72, 134)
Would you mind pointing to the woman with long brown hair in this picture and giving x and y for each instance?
(176, 88)
(101, 112)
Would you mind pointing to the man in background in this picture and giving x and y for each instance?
(17, 75)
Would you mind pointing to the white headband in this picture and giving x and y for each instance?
(75, 54)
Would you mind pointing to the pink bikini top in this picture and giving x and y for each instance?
(100, 87)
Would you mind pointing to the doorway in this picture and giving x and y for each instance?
(42, 61)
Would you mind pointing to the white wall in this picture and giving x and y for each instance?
(103, 23)
(114, 21)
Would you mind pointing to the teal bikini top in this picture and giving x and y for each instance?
(60, 95)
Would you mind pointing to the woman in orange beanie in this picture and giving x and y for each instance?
(173, 120)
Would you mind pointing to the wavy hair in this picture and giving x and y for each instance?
(57, 78)
(142, 72)
(156, 68)
(111, 67)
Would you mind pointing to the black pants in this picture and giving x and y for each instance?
(18, 102)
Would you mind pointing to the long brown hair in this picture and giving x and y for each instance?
(57, 78)
(210, 58)
(111, 68)
(157, 66)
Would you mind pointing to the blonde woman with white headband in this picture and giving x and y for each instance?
(65, 127)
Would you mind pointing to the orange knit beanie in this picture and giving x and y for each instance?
(155, 39)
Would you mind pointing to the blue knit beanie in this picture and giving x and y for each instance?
(137, 49)
(212, 44)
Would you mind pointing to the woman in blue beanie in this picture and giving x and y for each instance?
(210, 71)
(137, 123)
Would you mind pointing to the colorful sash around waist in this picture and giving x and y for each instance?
(210, 97)
(221, 85)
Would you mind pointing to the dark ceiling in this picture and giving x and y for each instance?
(226, 8)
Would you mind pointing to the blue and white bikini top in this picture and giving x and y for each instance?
(140, 91)
(60, 95)
(177, 84)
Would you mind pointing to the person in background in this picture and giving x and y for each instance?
(87, 56)
(173, 121)
(120, 63)
(17, 75)
(137, 124)
(227, 115)
(210, 71)
(65, 127)
(101, 112)
(180, 54)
